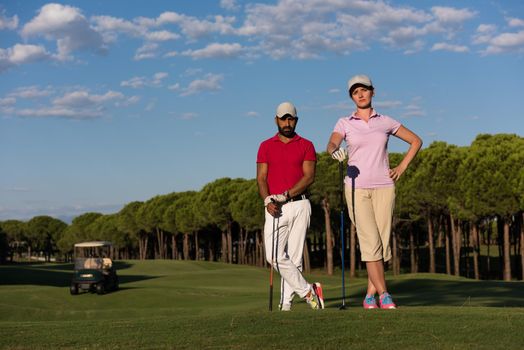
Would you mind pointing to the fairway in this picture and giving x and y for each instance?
(178, 304)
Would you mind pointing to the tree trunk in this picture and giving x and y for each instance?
(507, 258)
(173, 247)
(329, 237)
(229, 244)
(352, 251)
(522, 246)
(243, 239)
(142, 247)
(431, 245)
(197, 246)
(412, 256)
(160, 242)
(394, 247)
(475, 246)
(455, 244)
(223, 256)
(186, 246)
(306, 262)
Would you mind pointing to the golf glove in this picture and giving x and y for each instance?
(278, 198)
(339, 154)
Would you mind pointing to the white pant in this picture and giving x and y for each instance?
(289, 246)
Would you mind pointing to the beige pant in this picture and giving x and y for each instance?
(374, 211)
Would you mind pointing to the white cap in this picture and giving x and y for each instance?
(359, 79)
(286, 108)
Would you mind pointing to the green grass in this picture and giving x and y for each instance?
(175, 304)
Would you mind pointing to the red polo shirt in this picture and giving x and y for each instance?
(285, 161)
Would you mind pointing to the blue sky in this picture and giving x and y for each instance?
(107, 102)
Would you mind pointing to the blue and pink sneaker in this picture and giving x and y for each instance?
(386, 301)
(370, 302)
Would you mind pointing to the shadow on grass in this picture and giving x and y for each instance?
(435, 292)
(55, 275)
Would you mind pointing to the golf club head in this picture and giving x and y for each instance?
(353, 172)
(342, 307)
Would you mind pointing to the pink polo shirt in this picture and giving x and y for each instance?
(367, 148)
(285, 161)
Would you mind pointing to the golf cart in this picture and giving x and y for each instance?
(94, 270)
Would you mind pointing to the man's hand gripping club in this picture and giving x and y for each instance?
(274, 202)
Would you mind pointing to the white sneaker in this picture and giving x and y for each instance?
(285, 307)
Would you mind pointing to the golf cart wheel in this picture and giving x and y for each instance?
(73, 289)
(100, 288)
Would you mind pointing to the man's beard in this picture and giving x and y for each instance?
(287, 132)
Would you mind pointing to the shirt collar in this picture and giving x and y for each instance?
(373, 115)
(295, 138)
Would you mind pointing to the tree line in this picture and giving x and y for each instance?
(459, 210)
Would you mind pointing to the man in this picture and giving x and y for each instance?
(285, 169)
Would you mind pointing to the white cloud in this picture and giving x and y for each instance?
(171, 54)
(506, 42)
(211, 82)
(334, 91)
(215, 50)
(8, 23)
(21, 54)
(387, 104)
(31, 92)
(413, 110)
(343, 27)
(252, 114)
(516, 22)
(158, 77)
(449, 47)
(452, 15)
(135, 82)
(339, 106)
(7, 101)
(151, 105)
(83, 98)
(230, 5)
(147, 50)
(59, 112)
(162, 35)
(193, 27)
(484, 33)
(174, 87)
(68, 27)
(139, 82)
(128, 102)
(188, 116)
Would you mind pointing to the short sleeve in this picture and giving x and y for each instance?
(262, 153)
(392, 125)
(310, 152)
(339, 127)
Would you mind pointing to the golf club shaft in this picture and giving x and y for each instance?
(342, 233)
(272, 264)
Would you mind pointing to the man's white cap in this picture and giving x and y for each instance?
(361, 80)
(286, 108)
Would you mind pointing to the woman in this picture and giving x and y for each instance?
(366, 133)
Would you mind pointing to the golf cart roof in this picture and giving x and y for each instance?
(93, 244)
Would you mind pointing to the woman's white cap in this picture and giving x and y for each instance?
(359, 79)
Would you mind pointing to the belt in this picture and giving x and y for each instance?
(299, 197)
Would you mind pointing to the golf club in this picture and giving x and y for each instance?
(342, 233)
(272, 263)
